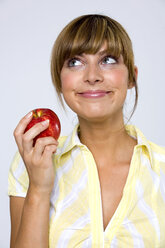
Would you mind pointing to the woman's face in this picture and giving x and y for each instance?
(95, 85)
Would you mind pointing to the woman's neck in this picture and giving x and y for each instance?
(105, 139)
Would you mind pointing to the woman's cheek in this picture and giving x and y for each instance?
(69, 80)
(118, 78)
(66, 81)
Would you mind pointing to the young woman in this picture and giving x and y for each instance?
(104, 184)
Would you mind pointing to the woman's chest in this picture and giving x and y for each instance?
(112, 183)
(76, 217)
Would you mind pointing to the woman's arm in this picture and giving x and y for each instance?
(29, 220)
(16, 206)
(30, 216)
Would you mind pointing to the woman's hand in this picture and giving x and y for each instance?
(37, 159)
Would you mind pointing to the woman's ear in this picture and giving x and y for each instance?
(132, 84)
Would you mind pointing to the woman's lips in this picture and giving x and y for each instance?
(94, 94)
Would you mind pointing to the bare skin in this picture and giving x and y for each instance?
(112, 152)
(101, 118)
(101, 130)
(30, 216)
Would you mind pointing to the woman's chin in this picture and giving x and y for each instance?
(94, 118)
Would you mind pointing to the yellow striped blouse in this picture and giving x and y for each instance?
(75, 207)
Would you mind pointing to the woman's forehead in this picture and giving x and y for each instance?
(103, 50)
(100, 49)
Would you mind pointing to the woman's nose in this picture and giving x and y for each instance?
(93, 74)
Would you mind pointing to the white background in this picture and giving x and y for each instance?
(28, 29)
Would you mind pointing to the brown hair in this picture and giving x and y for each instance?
(86, 34)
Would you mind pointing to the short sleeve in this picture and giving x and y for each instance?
(18, 180)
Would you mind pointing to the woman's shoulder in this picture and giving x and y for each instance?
(68, 142)
(158, 157)
(62, 140)
(157, 149)
(156, 152)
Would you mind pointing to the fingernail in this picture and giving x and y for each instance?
(29, 115)
(45, 123)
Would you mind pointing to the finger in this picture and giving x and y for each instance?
(19, 130)
(48, 152)
(28, 137)
(40, 145)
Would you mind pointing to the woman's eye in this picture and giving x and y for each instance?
(74, 62)
(109, 60)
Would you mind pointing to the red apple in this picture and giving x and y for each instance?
(43, 114)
